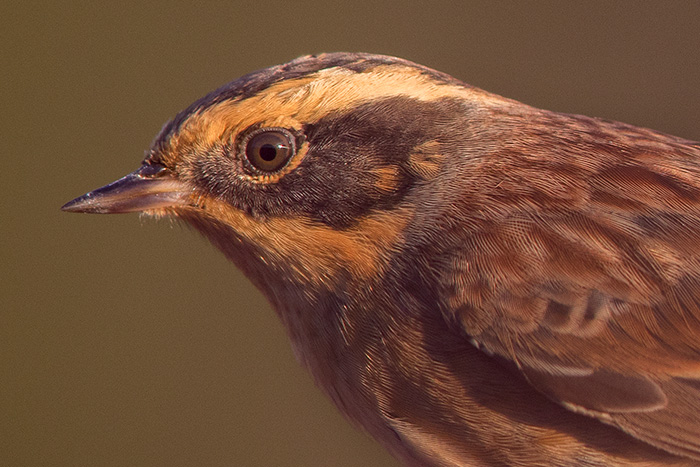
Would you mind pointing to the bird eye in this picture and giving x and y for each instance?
(270, 149)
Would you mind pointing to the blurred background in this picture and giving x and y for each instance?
(133, 342)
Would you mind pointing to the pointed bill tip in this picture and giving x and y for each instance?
(79, 204)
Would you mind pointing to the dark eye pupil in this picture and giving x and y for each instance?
(268, 152)
(269, 149)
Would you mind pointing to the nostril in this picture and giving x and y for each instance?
(149, 170)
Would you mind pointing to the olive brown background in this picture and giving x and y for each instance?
(133, 342)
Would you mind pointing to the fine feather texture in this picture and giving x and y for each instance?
(472, 280)
(586, 277)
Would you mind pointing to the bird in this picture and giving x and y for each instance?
(471, 280)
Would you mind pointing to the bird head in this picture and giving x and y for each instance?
(307, 174)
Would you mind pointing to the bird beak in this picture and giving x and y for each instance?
(150, 187)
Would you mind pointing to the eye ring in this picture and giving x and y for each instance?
(269, 150)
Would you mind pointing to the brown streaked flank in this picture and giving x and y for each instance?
(472, 280)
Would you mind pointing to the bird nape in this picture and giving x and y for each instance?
(472, 280)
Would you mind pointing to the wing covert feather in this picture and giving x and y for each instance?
(594, 295)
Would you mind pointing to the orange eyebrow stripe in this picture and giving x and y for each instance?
(294, 102)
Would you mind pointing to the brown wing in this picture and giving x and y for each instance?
(589, 282)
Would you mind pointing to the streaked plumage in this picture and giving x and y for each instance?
(472, 280)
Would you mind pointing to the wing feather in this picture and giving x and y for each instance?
(595, 297)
